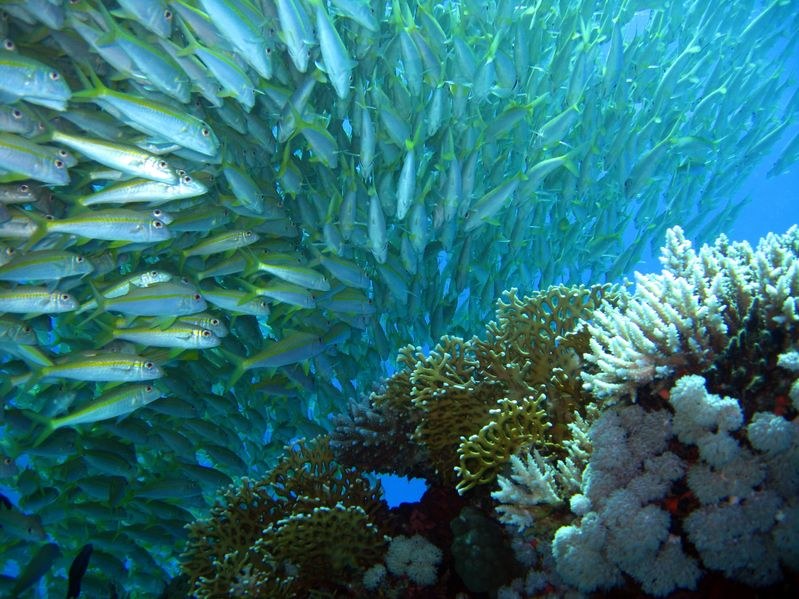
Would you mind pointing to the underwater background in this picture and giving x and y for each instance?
(262, 262)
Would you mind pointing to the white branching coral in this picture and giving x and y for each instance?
(535, 480)
(680, 319)
(532, 482)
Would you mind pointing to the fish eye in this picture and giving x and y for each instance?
(63, 153)
(157, 223)
(205, 131)
(162, 164)
(197, 297)
(148, 365)
(148, 388)
(168, 15)
(157, 212)
(59, 164)
(6, 461)
(9, 45)
(24, 188)
(153, 273)
(49, 217)
(79, 259)
(187, 179)
(65, 297)
(206, 333)
(54, 76)
(268, 51)
(214, 321)
(16, 113)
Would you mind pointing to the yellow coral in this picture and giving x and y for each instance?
(325, 546)
(261, 532)
(516, 425)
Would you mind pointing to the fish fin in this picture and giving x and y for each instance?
(107, 333)
(166, 322)
(94, 87)
(41, 229)
(98, 297)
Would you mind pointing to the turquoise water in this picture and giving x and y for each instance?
(221, 220)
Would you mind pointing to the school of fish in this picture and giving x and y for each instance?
(220, 218)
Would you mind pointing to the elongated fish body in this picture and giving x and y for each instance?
(105, 366)
(19, 157)
(16, 332)
(152, 192)
(237, 302)
(22, 77)
(155, 118)
(238, 22)
(159, 69)
(26, 299)
(128, 159)
(112, 225)
(222, 243)
(160, 299)
(184, 336)
(45, 265)
(153, 14)
(205, 321)
(297, 347)
(338, 64)
(297, 33)
(299, 275)
(288, 293)
(112, 404)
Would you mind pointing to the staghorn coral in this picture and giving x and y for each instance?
(681, 320)
(310, 525)
(536, 481)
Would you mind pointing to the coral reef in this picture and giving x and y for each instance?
(691, 479)
(595, 439)
(681, 320)
(310, 524)
(473, 404)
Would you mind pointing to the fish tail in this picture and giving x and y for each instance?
(238, 372)
(94, 86)
(41, 229)
(49, 425)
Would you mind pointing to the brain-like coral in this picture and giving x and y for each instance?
(310, 525)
